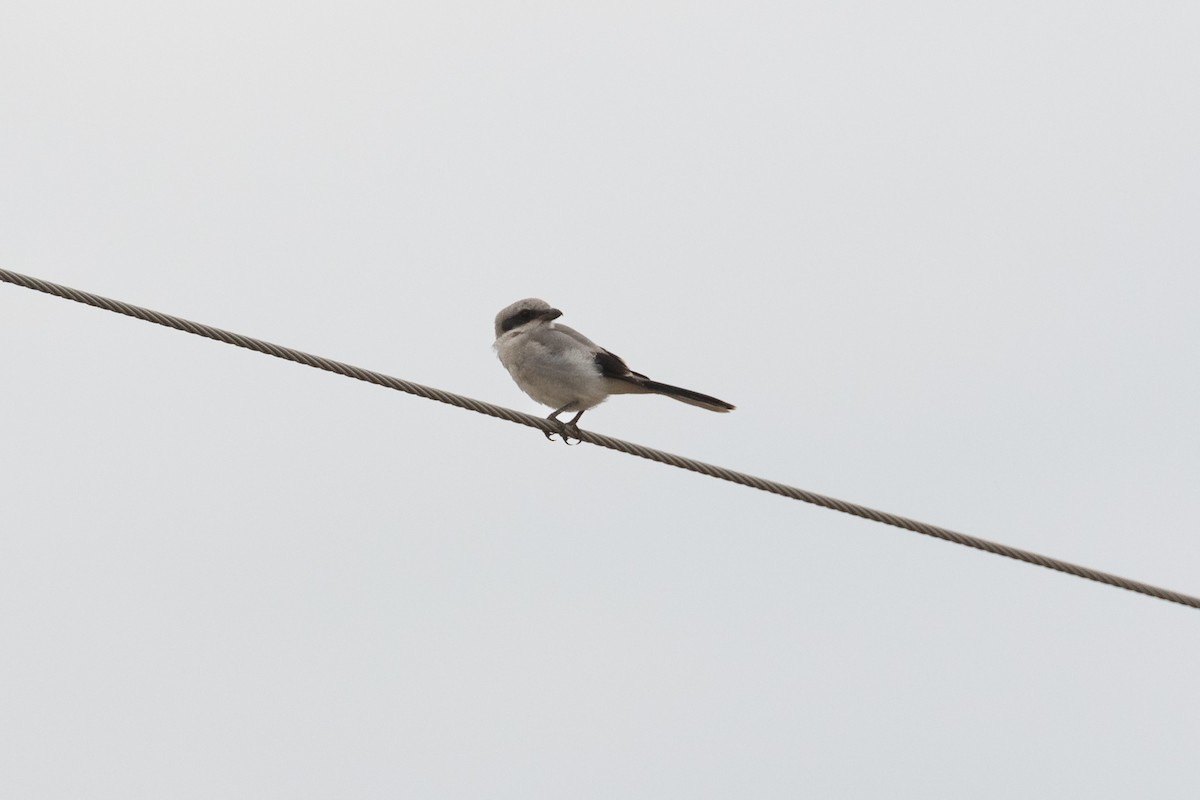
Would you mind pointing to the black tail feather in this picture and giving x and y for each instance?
(688, 396)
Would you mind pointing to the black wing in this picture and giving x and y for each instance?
(612, 366)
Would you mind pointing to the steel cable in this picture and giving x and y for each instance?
(619, 445)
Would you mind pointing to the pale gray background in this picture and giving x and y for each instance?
(943, 257)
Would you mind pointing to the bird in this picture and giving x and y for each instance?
(561, 368)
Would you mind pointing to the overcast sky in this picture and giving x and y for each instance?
(944, 258)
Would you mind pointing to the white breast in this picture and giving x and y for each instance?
(552, 368)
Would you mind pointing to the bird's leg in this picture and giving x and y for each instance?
(572, 428)
(554, 418)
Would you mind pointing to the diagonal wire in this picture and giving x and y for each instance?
(619, 445)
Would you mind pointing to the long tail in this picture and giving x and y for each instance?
(688, 396)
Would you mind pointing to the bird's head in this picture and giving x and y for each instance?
(525, 313)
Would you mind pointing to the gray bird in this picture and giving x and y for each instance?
(561, 368)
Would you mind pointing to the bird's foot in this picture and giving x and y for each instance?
(567, 430)
(570, 429)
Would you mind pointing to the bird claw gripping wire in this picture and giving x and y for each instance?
(567, 430)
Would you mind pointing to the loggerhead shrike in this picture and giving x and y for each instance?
(560, 367)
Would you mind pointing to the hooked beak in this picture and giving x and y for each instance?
(549, 314)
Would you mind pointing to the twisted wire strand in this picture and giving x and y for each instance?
(630, 448)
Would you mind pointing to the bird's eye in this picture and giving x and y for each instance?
(526, 314)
